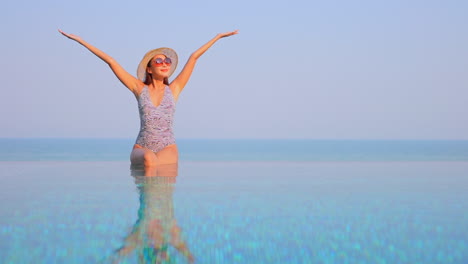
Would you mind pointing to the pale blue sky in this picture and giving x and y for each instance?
(298, 69)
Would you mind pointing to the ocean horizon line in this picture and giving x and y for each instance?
(236, 139)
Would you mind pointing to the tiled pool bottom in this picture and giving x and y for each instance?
(245, 212)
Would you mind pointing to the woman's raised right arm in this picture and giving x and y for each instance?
(132, 83)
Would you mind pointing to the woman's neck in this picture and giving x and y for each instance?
(158, 84)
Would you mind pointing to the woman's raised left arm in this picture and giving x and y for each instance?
(181, 80)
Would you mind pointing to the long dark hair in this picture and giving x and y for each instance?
(149, 79)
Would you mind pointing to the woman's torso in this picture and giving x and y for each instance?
(156, 122)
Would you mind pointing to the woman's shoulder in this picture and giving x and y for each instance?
(139, 88)
(173, 91)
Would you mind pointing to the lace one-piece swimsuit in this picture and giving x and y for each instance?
(156, 122)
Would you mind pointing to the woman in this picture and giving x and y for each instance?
(156, 96)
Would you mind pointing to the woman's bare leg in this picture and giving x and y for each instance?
(168, 155)
(143, 157)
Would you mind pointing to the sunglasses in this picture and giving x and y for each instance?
(159, 62)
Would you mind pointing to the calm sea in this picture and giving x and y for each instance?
(240, 150)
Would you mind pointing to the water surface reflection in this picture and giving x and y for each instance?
(156, 229)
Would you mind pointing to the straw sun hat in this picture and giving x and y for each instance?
(168, 52)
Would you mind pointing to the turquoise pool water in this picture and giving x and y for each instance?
(235, 201)
(235, 212)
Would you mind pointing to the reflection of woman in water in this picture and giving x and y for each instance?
(156, 229)
(156, 98)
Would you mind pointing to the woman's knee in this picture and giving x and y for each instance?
(149, 159)
(142, 157)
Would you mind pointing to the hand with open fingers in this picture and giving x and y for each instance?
(70, 36)
(227, 34)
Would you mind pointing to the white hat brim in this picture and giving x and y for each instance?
(168, 52)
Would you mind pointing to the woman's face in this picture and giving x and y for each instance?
(160, 66)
